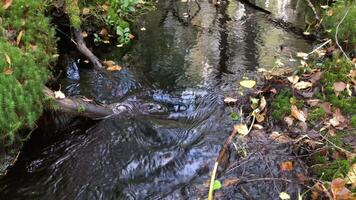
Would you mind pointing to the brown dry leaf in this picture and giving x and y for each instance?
(317, 190)
(280, 138)
(326, 106)
(315, 77)
(303, 85)
(338, 120)
(7, 4)
(339, 87)
(293, 79)
(103, 32)
(19, 36)
(114, 68)
(286, 166)
(230, 182)
(339, 191)
(330, 12)
(131, 37)
(229, 100)
(273, 90)
(313, 102)
(299, 115)
(289, 121)
(260, 117)
(8, 71)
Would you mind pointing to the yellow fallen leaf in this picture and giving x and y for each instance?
(59, 94)
(284, 196)
(302, 55)
(303, 85)
(248, 83)
(8, 60)
(84, 34)
(351, 176)
(293, 79)
(114, 68)
(19, 36)
(86, 11)
(297, 114)
(241, 129)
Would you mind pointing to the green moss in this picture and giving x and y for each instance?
(331, 170)
(73, 11)
(81, 109)
(353, 121)
(347, 30)
(282, 103)
(316, 114)
(25, 60)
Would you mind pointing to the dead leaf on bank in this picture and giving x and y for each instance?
(313, 102)
(293, 79)
(59, 94)
(339, 87)
(230, 182)
(326, 106)
(7, 4)
(104, 32)
(8, 71)
(302, 55)
(330, 12)
(86, 11)
(303, 85)
(299, 115)
(351, 176)
(19, 36)
(111, 65)
(248, 83)
(105, 7)
(229, 100)
(289, 121)
(241, 129)
(315, 77)
(84, 34)
(8, 60)
(339, 191)
(280, 138)
(286, 166)
(338, 121)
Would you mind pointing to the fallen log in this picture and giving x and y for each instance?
(79, 106)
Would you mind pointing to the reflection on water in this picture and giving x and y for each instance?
(189, 56)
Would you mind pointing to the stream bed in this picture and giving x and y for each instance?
(189, 55)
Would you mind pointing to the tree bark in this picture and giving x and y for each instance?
(82, 47)
(80, 107)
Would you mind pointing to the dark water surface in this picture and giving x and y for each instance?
(190, 55)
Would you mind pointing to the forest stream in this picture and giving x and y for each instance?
(187, 56)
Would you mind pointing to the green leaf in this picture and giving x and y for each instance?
(234, 116)
(217, 185)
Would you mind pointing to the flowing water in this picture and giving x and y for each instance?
(190, 55)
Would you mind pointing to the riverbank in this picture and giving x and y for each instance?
(312, 109)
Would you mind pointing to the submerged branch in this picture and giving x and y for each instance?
(82, 47)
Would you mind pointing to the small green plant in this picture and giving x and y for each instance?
(81, 109)
(316, 114)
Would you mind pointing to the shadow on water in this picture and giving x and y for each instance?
(191, 55)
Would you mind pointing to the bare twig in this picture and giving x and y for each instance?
(334, 145)
(336, 34)
(310, 4)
